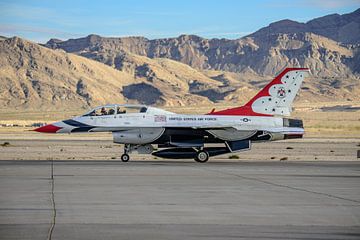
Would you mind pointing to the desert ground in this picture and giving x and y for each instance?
(102, 148)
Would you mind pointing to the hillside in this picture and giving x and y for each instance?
(344, 28)
(329, 46)
(35, 77)
(263, 55)
(32, 76)
(183, 71)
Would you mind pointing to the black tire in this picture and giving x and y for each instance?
(125, 157)
(202, 156)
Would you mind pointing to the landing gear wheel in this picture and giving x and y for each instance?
(202, 156)
(125, 157)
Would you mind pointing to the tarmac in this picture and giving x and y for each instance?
(179, 200)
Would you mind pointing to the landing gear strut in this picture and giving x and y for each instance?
(202, 156)
(125, 157)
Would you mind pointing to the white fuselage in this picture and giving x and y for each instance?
(143, 120)
(142, 128)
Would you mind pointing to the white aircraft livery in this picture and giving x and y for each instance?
(179, 136)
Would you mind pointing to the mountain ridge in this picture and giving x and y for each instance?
(296, 49)
(343, 28)
(182, 71)
(35, 77)
(265, 51)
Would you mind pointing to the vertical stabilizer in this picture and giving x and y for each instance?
(276, 98)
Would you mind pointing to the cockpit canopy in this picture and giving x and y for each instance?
(116, 109)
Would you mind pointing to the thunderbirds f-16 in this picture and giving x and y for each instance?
(179, 136)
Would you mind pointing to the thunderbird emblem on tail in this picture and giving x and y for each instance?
(281, 92)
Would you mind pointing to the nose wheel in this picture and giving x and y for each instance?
(202, 156)
(125, 157)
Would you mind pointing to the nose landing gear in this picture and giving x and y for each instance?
(137, 148)
(125, 157)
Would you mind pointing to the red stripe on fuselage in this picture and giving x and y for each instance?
(48, 129)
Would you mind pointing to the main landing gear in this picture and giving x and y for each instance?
(125, 157)
(199, 154)
(202, 156)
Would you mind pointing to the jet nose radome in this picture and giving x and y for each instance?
(48, 129)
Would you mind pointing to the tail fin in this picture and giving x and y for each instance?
(276, 98)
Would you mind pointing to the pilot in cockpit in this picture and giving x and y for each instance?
(111, 111)
(103, 111)
(119, 111)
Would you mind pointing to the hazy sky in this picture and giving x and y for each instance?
(63, 19)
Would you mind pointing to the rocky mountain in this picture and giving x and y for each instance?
(344, 28)
(329, 46)
(35, 77)
(32, 76)
(182, 71)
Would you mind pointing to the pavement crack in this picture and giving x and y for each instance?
(52, 199)
(286, 186)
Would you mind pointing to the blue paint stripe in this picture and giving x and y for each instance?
(74, 123)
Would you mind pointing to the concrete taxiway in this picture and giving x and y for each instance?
(179, 200)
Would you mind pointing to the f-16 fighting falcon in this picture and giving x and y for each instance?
(140, 127)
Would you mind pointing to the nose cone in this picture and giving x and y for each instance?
(48, 129)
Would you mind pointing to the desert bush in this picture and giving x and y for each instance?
(5, 144)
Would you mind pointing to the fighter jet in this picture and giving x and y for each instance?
(179, 136)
